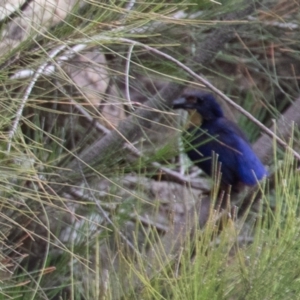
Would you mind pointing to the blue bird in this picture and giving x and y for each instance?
(238, 162)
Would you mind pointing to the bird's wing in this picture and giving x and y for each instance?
(239, 162)
(213, 139)
(249, 165)
(250, 168)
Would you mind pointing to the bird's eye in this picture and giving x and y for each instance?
(191, 99)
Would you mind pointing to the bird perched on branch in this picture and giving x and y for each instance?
(238, 163)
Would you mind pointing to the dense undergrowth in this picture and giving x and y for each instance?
(95, 203)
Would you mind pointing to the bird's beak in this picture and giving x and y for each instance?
(195, 117)
(180, 103)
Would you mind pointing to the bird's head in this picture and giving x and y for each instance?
(203, 103)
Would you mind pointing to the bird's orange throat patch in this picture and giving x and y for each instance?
(195, 119)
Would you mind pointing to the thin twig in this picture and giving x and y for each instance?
(148, 222)
(179, 177)
(127, 91)
(51, 68)
(38, 73)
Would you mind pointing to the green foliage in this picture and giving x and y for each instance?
(55, 244)
(257, 263)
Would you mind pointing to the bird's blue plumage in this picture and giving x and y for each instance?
(217, 134)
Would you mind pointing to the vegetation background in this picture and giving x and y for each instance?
(96, 202)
